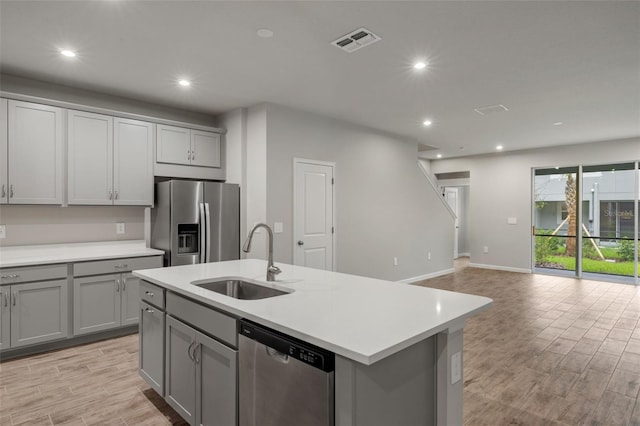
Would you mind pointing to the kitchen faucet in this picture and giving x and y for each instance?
(272, 270)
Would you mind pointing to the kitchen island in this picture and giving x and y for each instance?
(398, 347)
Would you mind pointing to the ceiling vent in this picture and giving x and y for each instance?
(491, 109)
(356, 40)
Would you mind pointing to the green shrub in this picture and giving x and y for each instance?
(626, 250)
(545, 247)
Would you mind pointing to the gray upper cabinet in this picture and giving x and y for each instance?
(110, 160)
(133, 162)
(4, 175)
(177, 145)
(32, 154)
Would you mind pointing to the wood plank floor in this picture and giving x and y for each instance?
(550, 351)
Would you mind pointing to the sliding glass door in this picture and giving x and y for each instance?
(586, 221)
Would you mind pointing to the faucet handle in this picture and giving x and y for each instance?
(274, 269)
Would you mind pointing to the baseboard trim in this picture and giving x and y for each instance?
(426, 276)
(465, 254)
(500, 268)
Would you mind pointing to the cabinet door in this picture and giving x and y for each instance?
(130, 296)
(90, 158)
(173, 145)
(96, 303)
(133, 162)
(180, 373)
(4, 185)
(216, 382)
(39, 312)
(35, 153)
(151, 355)
(205, 149)
(5, 317)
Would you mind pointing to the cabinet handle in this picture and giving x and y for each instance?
(11, 191)
(188, 154)
(191, 346)
(7, 277)
(197, 348)
(4, 193)
(124, 284)
(117, 286)
(110, 194)
(149, 310)
(116, 195)
(14, 296)
(149, 293)
(193, 155)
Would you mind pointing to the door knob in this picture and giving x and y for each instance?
(300, 243)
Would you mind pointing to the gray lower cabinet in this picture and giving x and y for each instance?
(104, 302)
(200, 376)
(33, 313)
(151, 354)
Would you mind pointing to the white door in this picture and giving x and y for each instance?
(451, 195)
(313, 231)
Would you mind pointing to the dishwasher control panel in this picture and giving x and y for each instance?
(289, 346)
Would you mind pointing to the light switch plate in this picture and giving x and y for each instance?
(456, 367)
(277, 227)
(120, 229)
(3, 232)
(512, 220)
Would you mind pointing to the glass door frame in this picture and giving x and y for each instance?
(578, 273)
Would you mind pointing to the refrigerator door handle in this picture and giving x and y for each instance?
(203, 230)
(208, 231)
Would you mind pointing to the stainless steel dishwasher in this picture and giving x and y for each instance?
(283, 381)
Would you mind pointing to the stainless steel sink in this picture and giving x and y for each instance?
(240, 289)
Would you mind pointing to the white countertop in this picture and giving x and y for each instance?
(359, 318)
(73, 252)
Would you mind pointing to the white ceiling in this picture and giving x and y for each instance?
(576, 62)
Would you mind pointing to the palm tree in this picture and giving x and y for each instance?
(570, 199)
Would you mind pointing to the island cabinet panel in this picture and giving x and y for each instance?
(151, 354)
(200, 373)
(397, 390)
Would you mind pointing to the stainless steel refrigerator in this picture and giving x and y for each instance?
(196, 222)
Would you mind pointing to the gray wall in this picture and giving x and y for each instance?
(501, 187)
(385, 208)
(53, 224)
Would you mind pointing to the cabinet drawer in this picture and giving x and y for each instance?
(32, 273)
(207, 319)
(151, 293)
(116, 265)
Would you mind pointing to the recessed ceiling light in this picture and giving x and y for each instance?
(68, 53)
(420, 65)
(557, 167)
(427, 123)
(558, 123)
(184, 83)
(439, 155)
(499, 147)
(264, 33)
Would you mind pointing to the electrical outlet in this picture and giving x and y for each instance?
(3, 232)
(485, 249)
(395, 261)
(456, 368)
(120, 229)
(429, 256)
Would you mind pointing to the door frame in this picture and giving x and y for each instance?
(332, 164)
(456, 220)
